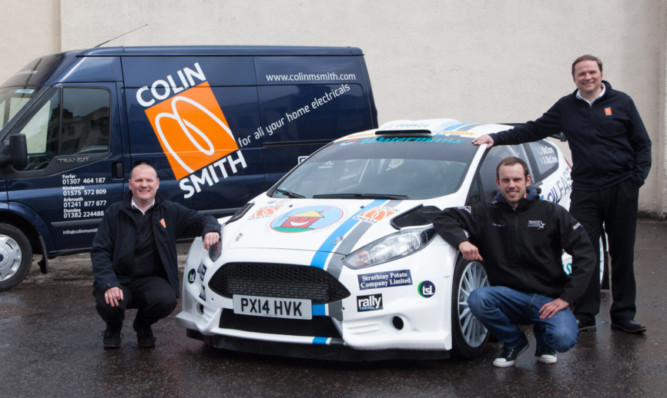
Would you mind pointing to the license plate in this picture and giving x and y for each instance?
(273, 307)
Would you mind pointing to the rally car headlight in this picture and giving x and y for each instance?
(400, 244)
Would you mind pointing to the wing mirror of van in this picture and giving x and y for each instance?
(15, 153)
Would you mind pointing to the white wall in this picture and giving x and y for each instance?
(474, 60)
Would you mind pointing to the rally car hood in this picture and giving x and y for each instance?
(316, 224)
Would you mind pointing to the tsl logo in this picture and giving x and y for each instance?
(192, 129)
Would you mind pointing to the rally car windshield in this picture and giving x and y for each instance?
(382, 167)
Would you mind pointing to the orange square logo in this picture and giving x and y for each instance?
(192, 130)
(607, 111)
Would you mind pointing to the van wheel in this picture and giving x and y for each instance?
(15, 256)
(469, 336)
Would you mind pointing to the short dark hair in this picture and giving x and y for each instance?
(587, 57)
(511, 161)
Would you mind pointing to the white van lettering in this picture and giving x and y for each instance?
(211, 174)
(140, 100)
(156, 92)
(185, 186)
(162, 89)
(174, 87)
(191, 74)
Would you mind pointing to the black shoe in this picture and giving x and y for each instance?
(628, 326)
(145, 338)
(545, 356)
(586, 324)
(111, 338)
(508, 355)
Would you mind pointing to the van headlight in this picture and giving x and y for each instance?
(389, 248)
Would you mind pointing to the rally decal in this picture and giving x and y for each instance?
(306, 219)
(377, 214)
(380, 280)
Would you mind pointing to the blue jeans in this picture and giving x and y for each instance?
(501, 309)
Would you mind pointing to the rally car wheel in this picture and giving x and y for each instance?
(15, 256)
(469, 336)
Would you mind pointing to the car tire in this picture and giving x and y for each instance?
(15, 256)
(469, 336)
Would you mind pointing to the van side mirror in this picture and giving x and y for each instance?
(15, 153)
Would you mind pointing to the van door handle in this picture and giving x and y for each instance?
(117, 170)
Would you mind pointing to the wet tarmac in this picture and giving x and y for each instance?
(50, 345)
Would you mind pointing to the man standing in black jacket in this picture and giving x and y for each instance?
(520, 238)
(134, 256)
(611, 155)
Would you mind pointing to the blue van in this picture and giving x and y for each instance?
(219, 123)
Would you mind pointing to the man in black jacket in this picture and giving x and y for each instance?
(611, 154)
(134, 256)
(520, 238)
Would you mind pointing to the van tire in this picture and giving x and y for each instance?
(15, 256)
(469, 336)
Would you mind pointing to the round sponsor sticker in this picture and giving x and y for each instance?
(426, 289)
(307, 219)
(192, 275)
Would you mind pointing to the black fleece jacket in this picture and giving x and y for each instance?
(522, 248)
(608, 140)
(113, 245)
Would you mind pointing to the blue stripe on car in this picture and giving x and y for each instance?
(320, 258)
(320, 340)
(319, 310)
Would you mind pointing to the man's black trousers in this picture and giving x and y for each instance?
(152, 296)
(613, 210)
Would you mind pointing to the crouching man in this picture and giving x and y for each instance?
(134, 256)
(520, 238)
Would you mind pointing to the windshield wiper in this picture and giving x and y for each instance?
(360, 196)
(289, 194)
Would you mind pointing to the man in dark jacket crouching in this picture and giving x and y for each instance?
(520, 238)
(134, 256)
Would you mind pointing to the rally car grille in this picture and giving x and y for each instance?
(277, 280)
(320, 326)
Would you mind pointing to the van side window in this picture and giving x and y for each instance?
(85, 121)
(41, 133)
(77, 123)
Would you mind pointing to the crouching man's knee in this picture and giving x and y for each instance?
(564, 339)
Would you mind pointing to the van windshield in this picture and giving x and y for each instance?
(12, 100)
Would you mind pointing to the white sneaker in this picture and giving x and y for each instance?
(544, 356)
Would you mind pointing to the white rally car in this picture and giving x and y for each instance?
(339, 259)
